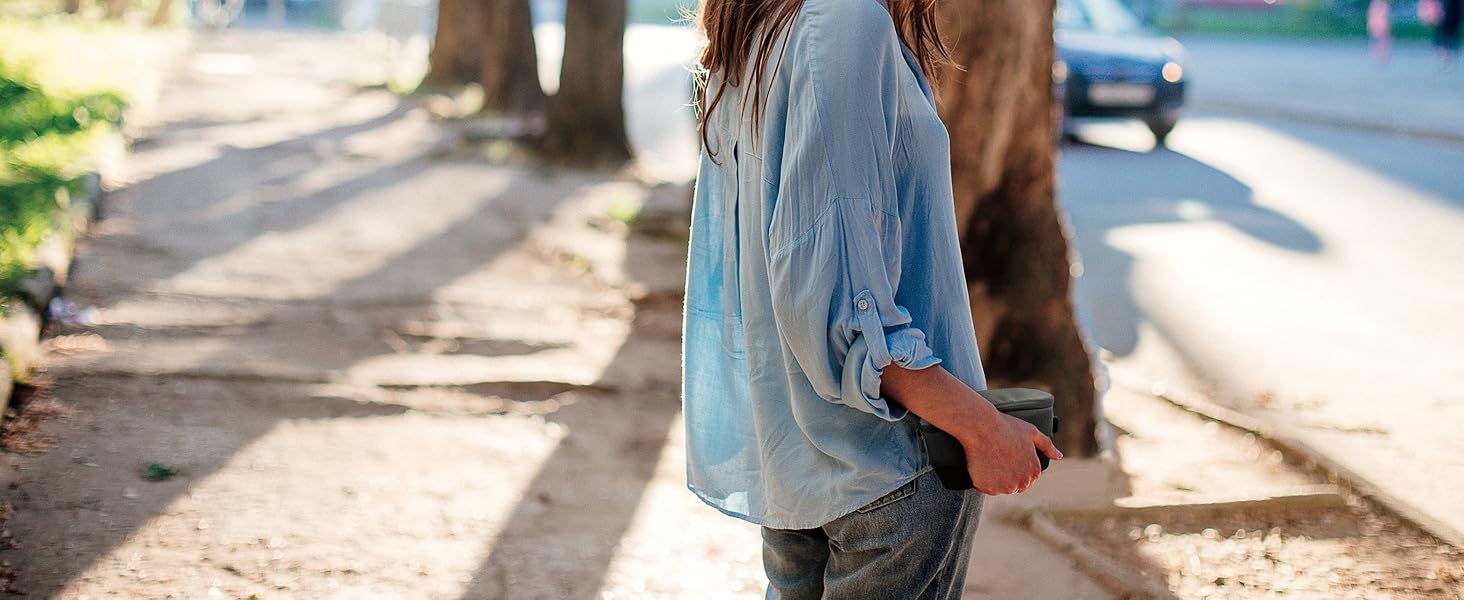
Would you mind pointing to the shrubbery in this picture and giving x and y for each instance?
(52, 132)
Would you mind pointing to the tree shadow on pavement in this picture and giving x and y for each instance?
(562, 536)
(75, 504)
(203, 418)
(194, 202)
(1104, 189)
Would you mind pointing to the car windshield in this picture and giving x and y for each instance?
(1102, 16)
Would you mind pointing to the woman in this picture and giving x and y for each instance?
(826, 300)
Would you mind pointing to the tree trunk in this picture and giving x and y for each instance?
(587, 116)
(457, 47)
(71, 6)
(164, 14)
(116, 8)
(510, 73)
(1013, 240)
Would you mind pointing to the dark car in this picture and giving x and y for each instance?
(1111, 65)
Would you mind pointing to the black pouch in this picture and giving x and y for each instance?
(948, 458)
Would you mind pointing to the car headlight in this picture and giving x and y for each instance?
(1172, 72)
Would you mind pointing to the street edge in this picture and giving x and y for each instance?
(1122, 580)
(1297, 450)
(1314, 118)
(1128, 581)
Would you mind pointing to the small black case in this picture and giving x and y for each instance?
(948, 458)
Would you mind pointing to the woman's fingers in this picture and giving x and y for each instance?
(1045, 445)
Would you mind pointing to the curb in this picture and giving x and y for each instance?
(20, 331)
(1127, 582)
(1295, 449)
(1123, 581)
(1303, 116)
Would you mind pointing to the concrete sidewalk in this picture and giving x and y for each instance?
(1330, 82)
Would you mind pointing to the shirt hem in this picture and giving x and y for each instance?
(774, 524)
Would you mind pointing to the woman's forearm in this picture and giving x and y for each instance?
(946, 402)
(1000, 450)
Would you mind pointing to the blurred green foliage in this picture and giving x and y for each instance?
(1297, 18)
(60, 107)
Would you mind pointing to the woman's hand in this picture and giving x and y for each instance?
(1001, 450)
(1002, 457)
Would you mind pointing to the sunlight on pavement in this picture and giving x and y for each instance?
(221, 63)
(364, 233)
(264, 521)
(1317, 292)
(578, 365)
(677, 547)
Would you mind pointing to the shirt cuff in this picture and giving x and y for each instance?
(877, 348)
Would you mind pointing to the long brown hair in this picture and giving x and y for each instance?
(732, 26)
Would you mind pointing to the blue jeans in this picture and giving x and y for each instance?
(913, 543)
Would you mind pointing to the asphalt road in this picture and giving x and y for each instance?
(1312, 276)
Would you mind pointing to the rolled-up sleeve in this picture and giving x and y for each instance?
(835, 239)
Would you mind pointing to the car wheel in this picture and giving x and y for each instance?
(1161, 128)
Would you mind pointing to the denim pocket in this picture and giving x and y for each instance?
(905, 491)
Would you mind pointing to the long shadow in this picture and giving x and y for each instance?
(162, 412)
(193, 198)
(70, 511)
(562, 535)
(1418, 163)
(1104, 189)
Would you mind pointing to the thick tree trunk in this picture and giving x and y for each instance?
(587, 116)
(71, 6)
(510, 59)
(116, 8)
(164, 14)
(457, 47)
(1013, 239)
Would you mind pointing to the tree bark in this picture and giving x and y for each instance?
(1013, 240)
(457, 53)
(116, 8)
(164, 14)
(510, 59)
(587, 116)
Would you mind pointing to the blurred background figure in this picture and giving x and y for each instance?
(1380, 29)
(1446, 36)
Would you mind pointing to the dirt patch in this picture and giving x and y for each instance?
(1298, 552)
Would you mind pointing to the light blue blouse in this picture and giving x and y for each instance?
(823, 249)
